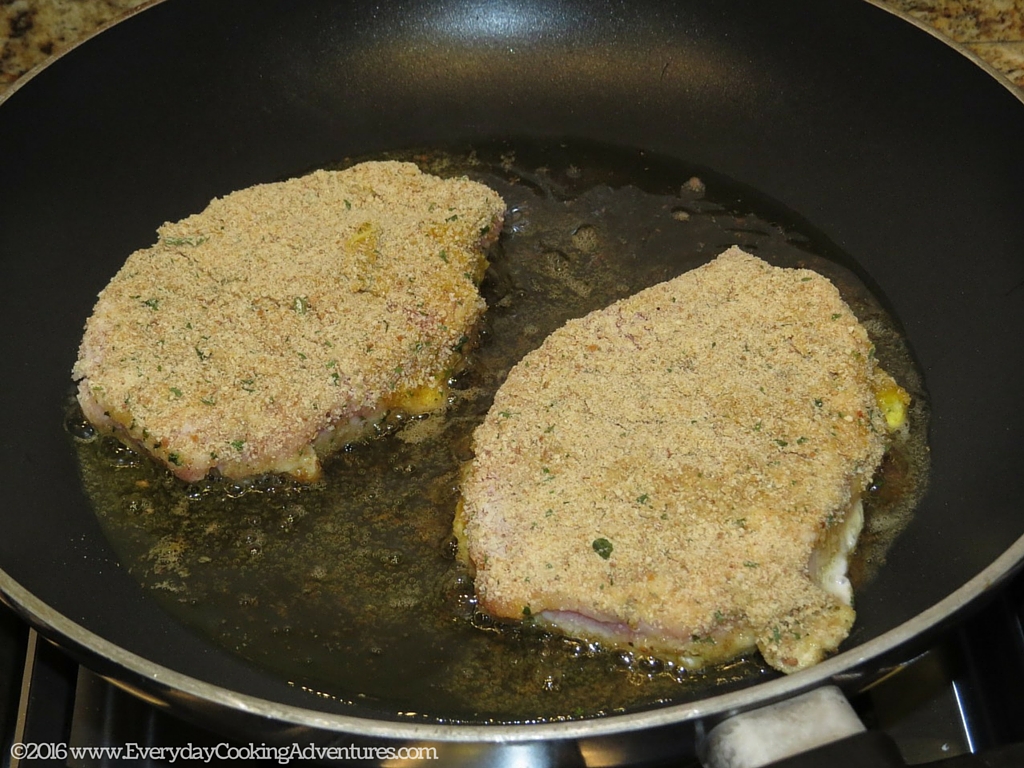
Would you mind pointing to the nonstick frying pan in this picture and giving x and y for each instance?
(903, 153)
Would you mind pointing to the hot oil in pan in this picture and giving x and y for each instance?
(349, 588)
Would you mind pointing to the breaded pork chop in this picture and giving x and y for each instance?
(680, 472)
(285, 318)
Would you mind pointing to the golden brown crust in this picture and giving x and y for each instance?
(667, 465)
(284, 310)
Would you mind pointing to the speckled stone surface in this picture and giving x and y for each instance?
(32, 30)
(969, 21)
(992, 29)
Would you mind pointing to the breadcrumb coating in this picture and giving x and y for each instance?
(659, 473)
(284, 318)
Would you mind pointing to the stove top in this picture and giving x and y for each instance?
(961, 703)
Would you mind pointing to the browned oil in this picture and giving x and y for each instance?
(349, 588)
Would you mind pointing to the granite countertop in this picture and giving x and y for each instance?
(32, 30)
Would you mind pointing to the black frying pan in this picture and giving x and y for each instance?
(902, 152)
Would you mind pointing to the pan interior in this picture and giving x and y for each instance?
(349, 588)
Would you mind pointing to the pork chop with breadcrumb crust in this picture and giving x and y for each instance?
(285, 319)
(680, 473)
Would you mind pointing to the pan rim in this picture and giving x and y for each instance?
(50, 622)
(60, 628)
(1015, 90)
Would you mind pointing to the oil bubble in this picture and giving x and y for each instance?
(79, 428)
(483, 620)
(518, 219)
(625, 659)
(650, 665)
(119, 455)
(236, 490)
